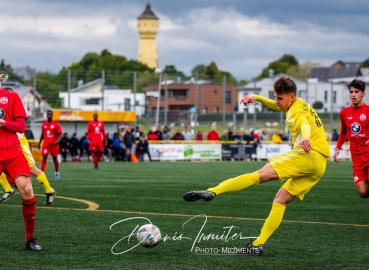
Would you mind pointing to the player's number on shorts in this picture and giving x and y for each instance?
(318, 122)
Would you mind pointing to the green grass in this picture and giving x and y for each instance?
(328, 230)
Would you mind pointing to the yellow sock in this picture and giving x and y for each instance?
(42, 179)
(236, 184)
(4, 183)
(271, 223)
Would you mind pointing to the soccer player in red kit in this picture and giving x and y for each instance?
(355, 127)
(97, 137)
(51, 132)
(12, 161)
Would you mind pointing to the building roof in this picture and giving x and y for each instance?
(337, 70)
(87, 85)
(148, 13)
(26, 73)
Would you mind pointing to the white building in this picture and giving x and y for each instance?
(334, 96)
(97, 96)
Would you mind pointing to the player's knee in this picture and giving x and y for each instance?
(25, 187)
(362, 191)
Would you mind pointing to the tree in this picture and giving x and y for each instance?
(198, 71)
(365, 64)
(317, 105)
(301, 71)
(279, 66)
(289, 59)
(171, 70)
(211, 70)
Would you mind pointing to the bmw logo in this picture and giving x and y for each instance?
(355, 127)
(2, 113)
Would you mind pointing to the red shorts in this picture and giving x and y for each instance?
(13, 164)
(52, 149)
(360, 170)
(97, 147)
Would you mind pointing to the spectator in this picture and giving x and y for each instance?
(224, 136)
(247, 137)
(276, 138)
(118, 151)
(108, 151)
(178, 136)
(230, 134)
(264, 136)
(213, 134)
(186, 134)
(29, 134)
(128, 141)
(166, 134)
(199, 136)
(334, 135)
(152, 135)
(74, 147)
(85, 146)
(143, 148)
(138, 133)
(159, 133)
(237, 137)
(64, 146)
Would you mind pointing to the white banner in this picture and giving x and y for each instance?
(271, 150)
(184, 151)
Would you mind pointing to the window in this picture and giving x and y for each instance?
(205, 110)
(271, 95)
(127, 104)
(301, 94)
(216, 109)
(334, 96)
(325, 96)
(92, 101)
(228, 99)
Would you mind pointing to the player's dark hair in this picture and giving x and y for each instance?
(358, 84)
(285, 85)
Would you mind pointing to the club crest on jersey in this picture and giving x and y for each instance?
(3, 100)
(362, 117)
(355, 127)
(2, 113)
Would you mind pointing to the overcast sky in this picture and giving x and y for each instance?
(241, 36)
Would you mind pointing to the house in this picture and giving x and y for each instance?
(95, 95)
(33, 102)
(184, 98)
(333, 95)
(339, 69)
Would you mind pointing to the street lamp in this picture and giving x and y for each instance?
(158, 70)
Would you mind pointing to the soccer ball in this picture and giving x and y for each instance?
(148, 235)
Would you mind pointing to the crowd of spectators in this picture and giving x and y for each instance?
(128, 139)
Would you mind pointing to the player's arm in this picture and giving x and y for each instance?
(18, 125)
(341, 137)
(305, 130)
(269, 103)
(40, 141)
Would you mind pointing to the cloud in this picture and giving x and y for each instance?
(241, 39)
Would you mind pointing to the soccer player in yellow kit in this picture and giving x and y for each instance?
(40, 175)
(302, 167)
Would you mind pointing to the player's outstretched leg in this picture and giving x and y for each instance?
(250, 249)
(233, 184)
(50, 197)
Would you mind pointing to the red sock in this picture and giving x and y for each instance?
(43, 165)
(94, 159)
(56, 164)
(99, 155)
(29, 215)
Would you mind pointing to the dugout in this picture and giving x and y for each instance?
(75, 121)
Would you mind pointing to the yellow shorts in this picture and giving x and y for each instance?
(302, 170)
(27, 151)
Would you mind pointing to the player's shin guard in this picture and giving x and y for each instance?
(29, 215)
(237, 183)
(5, 184)
(271, 223)
(42, 179)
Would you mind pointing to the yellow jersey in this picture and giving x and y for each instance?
(298, 115)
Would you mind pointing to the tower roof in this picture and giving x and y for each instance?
(148, 13)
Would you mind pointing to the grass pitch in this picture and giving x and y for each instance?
(328, 230)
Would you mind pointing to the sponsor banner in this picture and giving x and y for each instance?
(185, 151)
(85, 116)
(238, 151)
(344, 152)
(271, 150)
(202, 151)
